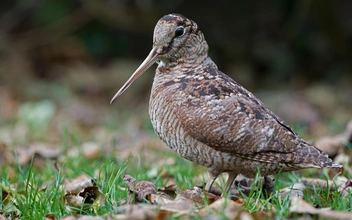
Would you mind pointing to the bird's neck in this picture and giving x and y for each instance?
(192, 60)
(194, 55)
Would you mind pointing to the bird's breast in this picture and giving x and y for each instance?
(166, 97)
(162, 111)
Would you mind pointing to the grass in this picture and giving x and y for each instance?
(34, 203)
(35, 189)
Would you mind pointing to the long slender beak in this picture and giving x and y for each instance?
(148, 62)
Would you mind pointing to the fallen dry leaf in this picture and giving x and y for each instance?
(91, 150)
(160, 199)
(296, 190)
(38, 151)
(300, 206)
(85, 198)
(141, 189)
(345, 160)
(74, 200)
(186, 201)
(6, 156)
(169, 190)
(332, 145)
(347, 189)
(90, 194)
(75, 185)
(136, 211)
(228, 208)
(3, 194)
(82, 217)
(197, 195)
(50, 216)
(166, 199)
(341, 184)
(10, 200)
(8, 105)
(183, 203)
(348, 131)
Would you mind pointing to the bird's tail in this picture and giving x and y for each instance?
(314, 157)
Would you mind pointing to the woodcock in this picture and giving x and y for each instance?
(208, 118)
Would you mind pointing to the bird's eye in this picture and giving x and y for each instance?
(179, 31)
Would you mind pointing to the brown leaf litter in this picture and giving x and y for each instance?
(37, 151)
(140, 190)
(299, 206)
(85, 198)
(341, 184)
(172, 200)
(82, 193)
(332, 145)
(77, 184)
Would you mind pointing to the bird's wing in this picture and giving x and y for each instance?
(228, 118)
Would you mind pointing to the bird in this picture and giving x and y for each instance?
(210, 119)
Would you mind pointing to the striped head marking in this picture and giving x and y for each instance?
(177, 37)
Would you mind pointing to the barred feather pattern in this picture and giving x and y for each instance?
(208, 118)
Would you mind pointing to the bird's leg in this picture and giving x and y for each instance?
(210, 181)
(230, 179)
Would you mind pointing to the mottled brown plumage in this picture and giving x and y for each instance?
(208, 118)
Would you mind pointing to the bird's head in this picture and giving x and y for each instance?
(176, 40)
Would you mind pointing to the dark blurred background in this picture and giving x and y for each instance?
(295, 55)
